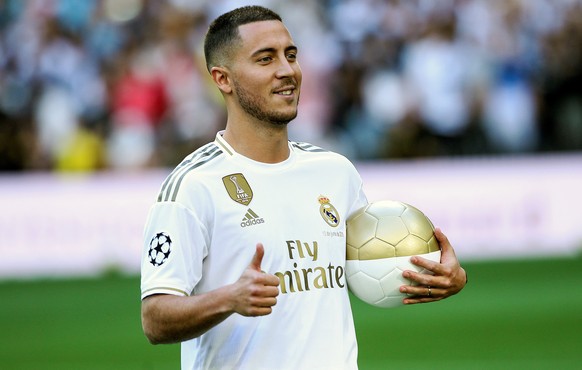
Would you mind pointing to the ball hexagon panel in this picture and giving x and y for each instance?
(433, 245)
(411, 245)
(386, 208)
(417, 223)
(361, 229)
(392, 281)
(366, 287)
(391, 229)
(375, 249)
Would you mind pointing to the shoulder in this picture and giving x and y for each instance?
(307, 147)
(195, 163)
(314, 152)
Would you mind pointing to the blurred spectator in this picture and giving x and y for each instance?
(436, 67)
(138, 104)
(105, 84)
(560, 80)
(509, 113)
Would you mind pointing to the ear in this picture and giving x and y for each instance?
(221, 78)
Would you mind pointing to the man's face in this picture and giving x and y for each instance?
(266, 74)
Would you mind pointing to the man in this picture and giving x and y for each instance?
(240, 264)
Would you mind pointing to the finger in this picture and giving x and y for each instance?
(262, 306)
(431, 268)
(268, 291)
(444, 242)
(420, 278)
(258, 257)
(265, 278)
(272, 280)
(419, 299)
(260, 311)
(423, 262)
(421, 294)
(419, 291)
(266, 302)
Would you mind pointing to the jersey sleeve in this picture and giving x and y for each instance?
(174, 246)
(357, 190)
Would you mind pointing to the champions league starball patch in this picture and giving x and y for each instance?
(160, 249)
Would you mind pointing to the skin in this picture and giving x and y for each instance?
(264, 66)
(252, 84)
(448, 277)
(171, 319)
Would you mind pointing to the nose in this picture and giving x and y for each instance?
(287, 69)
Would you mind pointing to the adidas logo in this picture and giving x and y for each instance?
(251, 218)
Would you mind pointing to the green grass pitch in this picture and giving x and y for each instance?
(512, 315)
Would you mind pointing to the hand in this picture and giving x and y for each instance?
(256, 291)
(447, 278)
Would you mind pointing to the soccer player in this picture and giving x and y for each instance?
(244, 248)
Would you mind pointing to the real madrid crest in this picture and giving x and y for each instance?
(238, 188)
(328, 212)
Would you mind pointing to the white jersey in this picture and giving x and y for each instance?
(201, 234)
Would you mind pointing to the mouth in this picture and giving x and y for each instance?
(285, 91)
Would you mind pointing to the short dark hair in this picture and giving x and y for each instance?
(223, 32)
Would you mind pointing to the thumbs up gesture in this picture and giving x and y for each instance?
(256, 291)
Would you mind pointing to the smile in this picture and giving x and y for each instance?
(285, 91)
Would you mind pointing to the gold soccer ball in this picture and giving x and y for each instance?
(381, 238)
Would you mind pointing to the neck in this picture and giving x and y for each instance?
(267, 143)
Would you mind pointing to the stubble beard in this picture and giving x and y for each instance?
(254, 106)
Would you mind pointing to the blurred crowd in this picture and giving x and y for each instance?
(87, 85)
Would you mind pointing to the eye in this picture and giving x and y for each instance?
(265, 59)
(292, 56)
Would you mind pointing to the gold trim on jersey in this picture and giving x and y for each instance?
(145, 292)
(220, 140)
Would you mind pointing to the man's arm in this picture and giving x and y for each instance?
(170, 319)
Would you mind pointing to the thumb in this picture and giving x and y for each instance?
(258, 257)
(444, 243)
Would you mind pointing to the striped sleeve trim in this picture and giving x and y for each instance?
(163, 290)
(306, 147)
(171, 186)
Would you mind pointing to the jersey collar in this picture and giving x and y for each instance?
(229, 150)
